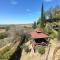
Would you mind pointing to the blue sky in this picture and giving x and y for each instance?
(23, 11)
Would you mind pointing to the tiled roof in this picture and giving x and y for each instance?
(38, 34)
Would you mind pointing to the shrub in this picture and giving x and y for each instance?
(58, 36)
(53, 35)
(41, 50)
(26, 48)
(34, 25)
(7, 28)
(5, 50)
(48, 30)
(3, 35)
(7, 55)
(25, 37)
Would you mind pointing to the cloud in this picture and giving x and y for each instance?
(14, 2)
(47, 0)
(28, 10)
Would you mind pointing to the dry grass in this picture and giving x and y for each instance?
(33, 56)
(2, 30)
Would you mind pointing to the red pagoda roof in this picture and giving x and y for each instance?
(37, 30)
(38, 34)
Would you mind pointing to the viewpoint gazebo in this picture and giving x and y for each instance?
(39, 38)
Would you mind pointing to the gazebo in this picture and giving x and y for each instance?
(39, 38)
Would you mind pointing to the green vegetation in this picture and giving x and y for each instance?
(50, 15)
(26, 48)
(58, 37)
(5, 50)
(24, 37)
(41, 50)
(7, 54)
(34, 25)
(38, 21)
(42, 21)
(53, 35)
(50, 31)
(3, 53)
(7, 28)
(3, 35)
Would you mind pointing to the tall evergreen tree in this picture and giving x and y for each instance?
(42, 21)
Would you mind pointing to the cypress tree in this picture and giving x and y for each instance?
(42, 21)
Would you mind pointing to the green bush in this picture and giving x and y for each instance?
(50, 31)
(47, 29)
(41, 50)
(25, 37)
(34, 25)
(5, 50)
(26, 48)
(53, 35)
(3, 35)
(58, 36)
(7, 55)
(7, 28)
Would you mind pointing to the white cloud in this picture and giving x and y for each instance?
(28, 10)
(14, 2)
(47, 0)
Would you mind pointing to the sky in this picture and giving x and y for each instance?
(23, 11)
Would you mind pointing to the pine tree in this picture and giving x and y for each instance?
(42, 21)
